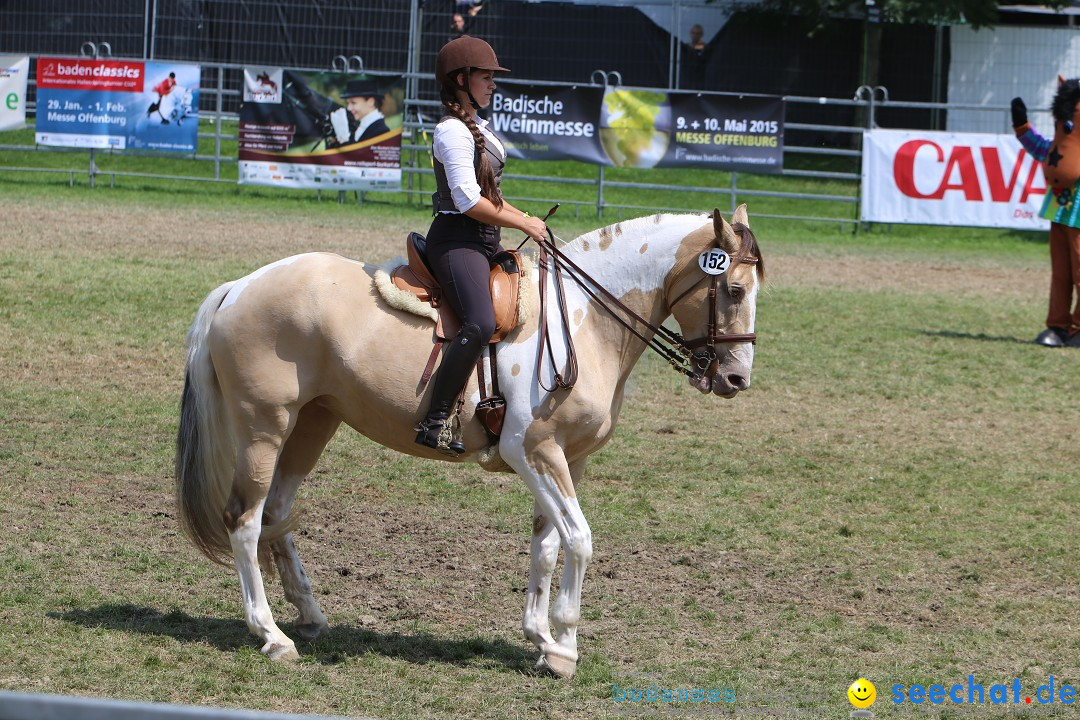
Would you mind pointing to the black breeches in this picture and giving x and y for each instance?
(463, 271)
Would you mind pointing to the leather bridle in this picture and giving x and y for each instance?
(707, 360)
(680, 353)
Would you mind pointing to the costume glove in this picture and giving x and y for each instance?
(1019, 112)
(340, 120)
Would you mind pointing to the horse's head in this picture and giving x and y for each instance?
(1062, 169)
(712, 292)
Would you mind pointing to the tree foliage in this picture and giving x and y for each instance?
(976, 13)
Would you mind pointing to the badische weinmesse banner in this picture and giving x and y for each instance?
(640, 128)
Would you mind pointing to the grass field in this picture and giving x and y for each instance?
(895, 497)
(562, 181)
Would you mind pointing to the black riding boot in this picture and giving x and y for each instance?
(459, 361)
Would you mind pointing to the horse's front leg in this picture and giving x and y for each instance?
(544, 552)
(545, 470)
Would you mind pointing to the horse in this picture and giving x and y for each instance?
(174, 107)
(265, 81)
(278, 359)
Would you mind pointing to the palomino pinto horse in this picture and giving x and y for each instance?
(279, 359)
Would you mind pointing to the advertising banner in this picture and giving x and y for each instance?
(729, 132)
(940, 178)
(640, 128)
(549, 122)
(14, 69)
(119, 104)
(330, 130)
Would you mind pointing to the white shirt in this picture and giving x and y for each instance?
(365, 123)
(455, 147)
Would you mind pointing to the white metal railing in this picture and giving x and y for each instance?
(27, 706)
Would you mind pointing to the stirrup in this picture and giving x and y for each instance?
(439, 434)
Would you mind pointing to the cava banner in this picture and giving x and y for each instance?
(14, 69)
(117, 104)
(939, 178)
(331, 130)
(640, 128)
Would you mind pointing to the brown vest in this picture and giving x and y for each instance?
(442, 199)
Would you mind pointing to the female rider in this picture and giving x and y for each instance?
(469, 212)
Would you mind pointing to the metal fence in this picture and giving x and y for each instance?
(641, 45)
(221, 88)
(27, 706)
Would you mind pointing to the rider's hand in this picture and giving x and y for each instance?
(534, 227)
(340, 120)
(1019, 112)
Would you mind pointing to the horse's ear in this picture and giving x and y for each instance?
(1061, 81)
(725, 234)
(740, 216)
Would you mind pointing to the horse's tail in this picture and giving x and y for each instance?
(205, 446)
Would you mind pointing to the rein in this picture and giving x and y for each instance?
(670, 345)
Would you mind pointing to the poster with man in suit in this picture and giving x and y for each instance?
(331, 130)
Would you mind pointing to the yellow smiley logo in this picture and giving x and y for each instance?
(862, 693)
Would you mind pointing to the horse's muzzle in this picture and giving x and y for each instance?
(727, 383)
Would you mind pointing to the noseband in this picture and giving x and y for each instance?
(707, 361)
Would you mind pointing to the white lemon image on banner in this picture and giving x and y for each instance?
(635, 127)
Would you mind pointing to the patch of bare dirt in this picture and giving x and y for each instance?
(82, 228)
(873, 274)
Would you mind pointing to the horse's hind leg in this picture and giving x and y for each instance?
(255, 465)
(315, 426)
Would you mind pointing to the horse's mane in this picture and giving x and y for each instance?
(1068, 94)
(616, 229)
(749, 245)
(748, 241)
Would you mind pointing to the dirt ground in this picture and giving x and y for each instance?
(388, 566)
(213, 234)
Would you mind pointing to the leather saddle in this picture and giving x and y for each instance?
(417, 278)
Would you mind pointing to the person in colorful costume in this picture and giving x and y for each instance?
(1060, 159)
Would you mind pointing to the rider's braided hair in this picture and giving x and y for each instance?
(485, 175)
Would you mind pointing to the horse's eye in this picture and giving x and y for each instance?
(737, 292)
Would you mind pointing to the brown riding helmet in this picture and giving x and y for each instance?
(465, 52)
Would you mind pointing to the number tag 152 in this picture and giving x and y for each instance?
(714, 262)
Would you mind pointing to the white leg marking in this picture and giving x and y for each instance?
(245, 544)
(544, 551)
(544, 471)
(310, 622)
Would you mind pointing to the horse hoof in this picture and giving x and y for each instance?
(283, 653)
(560, 667)
(309, 631)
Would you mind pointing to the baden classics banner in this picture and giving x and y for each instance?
(640, 128)
(14, 69)
(117, 104)
(329, 130)
(940, 178)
